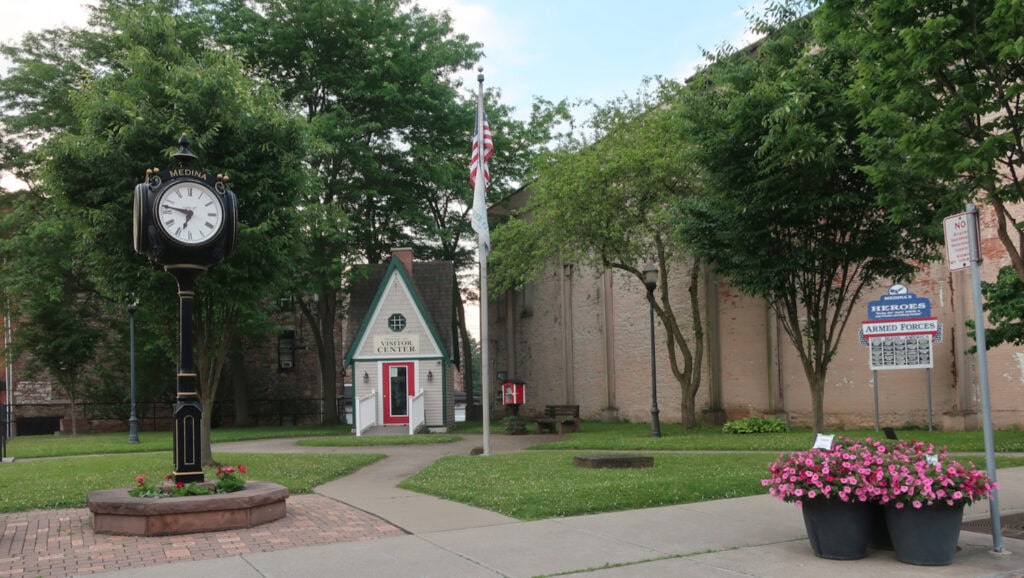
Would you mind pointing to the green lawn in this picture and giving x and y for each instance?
(528, 485)
(538, 485)
(531, 486)
(117, 443)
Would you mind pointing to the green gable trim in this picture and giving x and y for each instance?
(395, 268)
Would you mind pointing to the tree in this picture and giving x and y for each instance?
(376, 81)
(787, 215)
(45, 282)
(127, 113)
(607, 204)
(447, 197)
(36, 96)
(939, 85)
(319, 288)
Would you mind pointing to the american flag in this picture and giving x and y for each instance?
(474, 164)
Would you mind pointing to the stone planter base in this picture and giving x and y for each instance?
(115, 512)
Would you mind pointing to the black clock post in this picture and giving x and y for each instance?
(188, 408)
(187, 223)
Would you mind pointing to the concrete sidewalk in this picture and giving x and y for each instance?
(753, 536)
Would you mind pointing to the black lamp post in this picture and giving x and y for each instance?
(651, 281)
(133, 422)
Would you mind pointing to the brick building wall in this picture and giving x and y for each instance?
(581, 336)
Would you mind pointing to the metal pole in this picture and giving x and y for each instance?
(655, 423)
(485, 390)
(3, 431)
(929, 399)
(986, 403)
(133, 422)
(874, 379)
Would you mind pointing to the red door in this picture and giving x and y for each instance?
(398, 386)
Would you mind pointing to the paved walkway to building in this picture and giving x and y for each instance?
(362, 525)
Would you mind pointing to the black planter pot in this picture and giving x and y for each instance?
(925, 536)
(878, 532)
(838, 530)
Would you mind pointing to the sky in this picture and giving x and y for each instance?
(555, 49)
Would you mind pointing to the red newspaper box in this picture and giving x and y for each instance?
(513, 393)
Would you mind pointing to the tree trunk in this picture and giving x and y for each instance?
(213, 333)
(1013, 249)
(693, 375)
(204, 434)
(321, 318)
(689, 413)
(74, 418)
(327, 307)
(688, 376)
(818, 404)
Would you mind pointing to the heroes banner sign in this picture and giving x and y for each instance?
(899, 304)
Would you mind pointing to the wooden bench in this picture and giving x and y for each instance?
(559, 418)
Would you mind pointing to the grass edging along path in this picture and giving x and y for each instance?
(64, 482)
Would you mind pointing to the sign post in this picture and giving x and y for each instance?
(979, 340)
(899, 334)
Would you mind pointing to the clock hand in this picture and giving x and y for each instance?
(187, 212)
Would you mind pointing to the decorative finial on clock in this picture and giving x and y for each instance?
(184, 156)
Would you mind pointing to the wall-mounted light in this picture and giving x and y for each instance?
(430, 376)
(366, 377)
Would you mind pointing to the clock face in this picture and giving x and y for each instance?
(189, 213)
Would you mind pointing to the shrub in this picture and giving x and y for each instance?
(754, 424)
(229, 479)
(514, 424)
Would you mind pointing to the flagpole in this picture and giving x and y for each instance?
(485, 399)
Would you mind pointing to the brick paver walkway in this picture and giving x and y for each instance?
(59, 543)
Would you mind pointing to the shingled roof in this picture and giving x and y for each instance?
(434, 283)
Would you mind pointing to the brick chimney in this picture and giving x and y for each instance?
(404, 256)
